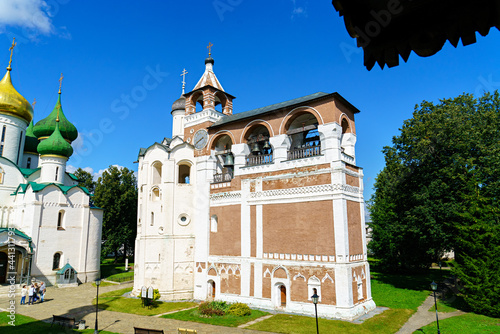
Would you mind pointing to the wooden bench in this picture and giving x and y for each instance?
(138, 330)
(186, 331)
(63, 321)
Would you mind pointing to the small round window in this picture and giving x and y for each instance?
(183, 219)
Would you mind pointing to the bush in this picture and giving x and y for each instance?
(210, 309)
(219, 305)
(239, 309)
(156, 294)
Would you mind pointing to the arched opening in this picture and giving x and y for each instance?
(282, 290)
(304, 136)
(56, 261)
(28, 163)
(184, 173)
(220, 102)
(224, 166)
(60, 220)
(197, 101)
(211, 290)
(345, 126)
(156, 171)
(214, 222)
(155, 194)
(261, 152)
(314, 287)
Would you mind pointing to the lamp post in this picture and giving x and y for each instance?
(315, 299)
(434, 287)
(97, 283)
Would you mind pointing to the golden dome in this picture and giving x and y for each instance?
(13, 103)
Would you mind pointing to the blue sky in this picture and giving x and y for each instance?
(122, 62)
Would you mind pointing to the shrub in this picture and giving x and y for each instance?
(156, 294)
(239, 309)
(210, 309)
(219, 305)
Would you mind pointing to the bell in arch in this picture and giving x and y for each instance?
(255, 148)
(266, 145)
(229, 161)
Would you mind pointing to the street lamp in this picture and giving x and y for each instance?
(315, 299)
(97, 283)
(434, 287)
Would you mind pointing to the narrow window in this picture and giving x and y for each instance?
(213, 223)
(3, 133)
(56, 260)
(28, 163)
(60, 220)
(184, 171)
(152, 218)
(19, 149)
(57, 172)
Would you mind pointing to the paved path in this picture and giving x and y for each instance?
(77, 303)
(423, 317)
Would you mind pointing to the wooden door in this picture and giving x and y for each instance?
(283, 295)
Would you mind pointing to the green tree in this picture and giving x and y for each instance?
(85, 179)
(440, 191)
(116, 193)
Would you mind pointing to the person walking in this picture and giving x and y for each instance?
(31, 291)
(42, 291)
(24, 293)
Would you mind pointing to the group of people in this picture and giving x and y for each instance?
(36, 292)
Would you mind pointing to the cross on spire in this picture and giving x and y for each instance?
(183, 75)
(60, 82)
(33, 104)
(209, 47)
(11, 53)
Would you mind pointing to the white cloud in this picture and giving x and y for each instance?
(298, 10)
(31, 14)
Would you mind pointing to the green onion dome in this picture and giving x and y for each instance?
(31, 141)
(55, 144)
(45, 127)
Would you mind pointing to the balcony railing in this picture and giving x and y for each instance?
(223, 177)
(255, 160)
(304, 152)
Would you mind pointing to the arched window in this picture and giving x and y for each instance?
(2, 142)
(156, 169)
(152, 218)
(214, 221)
(56, 261)
(155, 194)
(57, 172)
(261, 151)
(345, 126)
(60, 220)
(304, 136)
(313, 285)
(220, 102)
(184, 173)
(28, 163)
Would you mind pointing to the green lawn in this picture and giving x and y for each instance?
(108, 268)
(113, 301)
(386, 323)
(27, 325)
(226, 320)
(121, 277)
(468, 323)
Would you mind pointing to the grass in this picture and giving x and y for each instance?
(386, 323)
(113, 301)
(227, 320)
(28, 325)
(468, 323)
(108, 268)
(121, 277)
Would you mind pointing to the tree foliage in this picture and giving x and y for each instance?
(116, 193)
(85, 179)
(439, 191)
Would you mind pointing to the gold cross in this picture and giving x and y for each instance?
(11, 52)
(33, 104)
(209, 47)
(60, 82)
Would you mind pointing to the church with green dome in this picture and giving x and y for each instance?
(47, 221)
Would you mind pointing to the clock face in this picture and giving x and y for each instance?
(200, 139)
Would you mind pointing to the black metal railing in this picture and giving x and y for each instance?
(223, 177)
(255, 160)
(304, 152)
